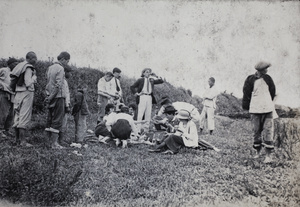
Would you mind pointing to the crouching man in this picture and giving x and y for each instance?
(121, 125)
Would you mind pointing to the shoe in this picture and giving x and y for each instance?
(256, 156)
(154, 150)
(25, 144)
(104, 140)
(50, 129)
(268, 159)
(77, 145)
(57, 146)
(168, 152)
(118, 142)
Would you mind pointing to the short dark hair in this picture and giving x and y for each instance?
(170, 112)
(116, 70)
(132, 105)
(64, 55)
(29, 54)
(108, 107)
(212, 79)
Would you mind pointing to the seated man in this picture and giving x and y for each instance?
(101, 131)
(170, 123)
(178, 106)
(186, 135)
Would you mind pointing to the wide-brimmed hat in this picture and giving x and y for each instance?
(262, 65)
(183, 114)
(170, 109)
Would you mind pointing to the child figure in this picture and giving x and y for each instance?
(80, 112)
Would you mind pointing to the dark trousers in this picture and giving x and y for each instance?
(102, 130)
(6, 111)
(56, 113)
(121, 129)
(174, 143)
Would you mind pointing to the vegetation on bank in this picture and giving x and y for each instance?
(104, 175)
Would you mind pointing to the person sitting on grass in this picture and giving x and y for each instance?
(170, 123)
(133, 110)
(186, 135)
(101, 131)
(178, 105)
(121, 125)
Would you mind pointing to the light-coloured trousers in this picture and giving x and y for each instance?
(144, 110)
(23, 109)
(80, 126)
(208, 113)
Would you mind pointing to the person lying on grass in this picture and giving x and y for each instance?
(186, 135)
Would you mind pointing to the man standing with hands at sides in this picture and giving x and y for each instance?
(106, 94)
(56, 98)
(209, 106)
(116, 81)
(258, 94)
(6, 98)
(143, 89)
(25, 75)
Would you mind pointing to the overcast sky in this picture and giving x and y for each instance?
(185, 42)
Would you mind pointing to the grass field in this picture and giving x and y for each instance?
(103, 175)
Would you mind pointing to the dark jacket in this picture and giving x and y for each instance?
(137, 87)
(248, 88)
(80, 104)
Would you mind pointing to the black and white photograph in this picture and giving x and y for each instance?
(153, 103)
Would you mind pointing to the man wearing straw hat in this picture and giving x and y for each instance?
(143, 89)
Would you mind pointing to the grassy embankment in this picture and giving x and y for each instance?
(104, 175)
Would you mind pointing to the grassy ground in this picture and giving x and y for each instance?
(103, 175)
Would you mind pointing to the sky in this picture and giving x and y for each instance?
(185, 42)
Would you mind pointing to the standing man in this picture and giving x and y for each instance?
(143, 89)
(106, 94)
(209, 106)
(24, 75)
(6, 98)
(118, 90)
(56, 98)
(258, 95)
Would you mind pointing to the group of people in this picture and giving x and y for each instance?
(116, 120)
(17, 86)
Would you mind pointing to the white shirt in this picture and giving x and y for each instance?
(113, 85)
(210, 97)
(113, 118)
(261, 100)
(147, 82)
(185, 106)
(190, 132)
(107, 87)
